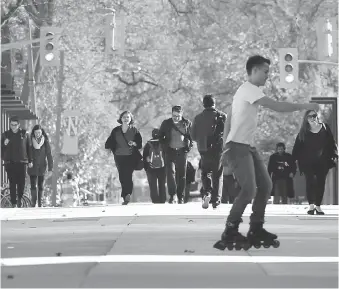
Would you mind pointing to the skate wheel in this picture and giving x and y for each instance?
(219, 245)
(266, 246)
(276, 244)
(246, 247)
(257, 246)
(238, 247)
(230, 247)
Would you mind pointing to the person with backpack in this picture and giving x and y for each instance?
(207, 131)
(69, 195)
(316, 152)
(42, 156)
(154, 165)
(16, 154)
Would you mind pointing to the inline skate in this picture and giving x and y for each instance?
(258, 237)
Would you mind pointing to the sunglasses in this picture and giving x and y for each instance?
(312, 116)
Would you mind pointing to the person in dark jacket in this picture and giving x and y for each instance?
(207, 131)
(123, 140)
(16, 154)
(316, 152)
(175, 135)
(154, 164)
(41, 156)
(282, 169)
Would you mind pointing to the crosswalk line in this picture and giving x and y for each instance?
(34, 261)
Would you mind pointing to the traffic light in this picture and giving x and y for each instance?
(327, 39)
(289, 68)
(115, 33)
(49, 48)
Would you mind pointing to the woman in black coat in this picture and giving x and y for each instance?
(42, 158)
(316, 152)
(125, 140)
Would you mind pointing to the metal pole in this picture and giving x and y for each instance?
(318, 62)
(31, 81)
(58, 128)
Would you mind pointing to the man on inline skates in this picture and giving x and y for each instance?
(244, 160)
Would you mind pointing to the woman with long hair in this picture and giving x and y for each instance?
(124, 139)
(42, 158)
(315, 151)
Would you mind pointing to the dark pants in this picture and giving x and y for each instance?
(280, 189)
(157, 184)
(34, 194)
(315, 184)
(230, 189)
(176, 164)
(125, 166)
(252, 176)
(16, 173)
(211, 171)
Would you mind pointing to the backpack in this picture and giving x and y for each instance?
(156, 155)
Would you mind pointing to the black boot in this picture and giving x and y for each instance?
(33, 195)
(231, 238)
(40, 194)
(258, 236)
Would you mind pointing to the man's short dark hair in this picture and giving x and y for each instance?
(254, 61)
(208, 101)
(14, 118)
(177, 108)
(69, 175)
(281, 145)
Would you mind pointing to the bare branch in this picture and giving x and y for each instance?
(135, 81)
(176, 9)
(10, 13)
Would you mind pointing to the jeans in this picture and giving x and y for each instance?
(157, 184)
(176, 165)
(254, 181)
(125, 166)
(16, 173)
(315, 184)
(34, 194)
(211, 171)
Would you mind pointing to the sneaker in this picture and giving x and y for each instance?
(206, 201)
(180, 201)
(171, 200)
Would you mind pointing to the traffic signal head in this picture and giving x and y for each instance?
(49, 52)
(289, 69)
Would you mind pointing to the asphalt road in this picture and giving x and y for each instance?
(165, 251)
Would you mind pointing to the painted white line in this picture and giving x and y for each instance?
(33, 261)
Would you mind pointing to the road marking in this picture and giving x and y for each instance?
(33, 261)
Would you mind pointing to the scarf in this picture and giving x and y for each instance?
(38, 142)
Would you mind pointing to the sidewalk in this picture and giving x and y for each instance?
(149, 209)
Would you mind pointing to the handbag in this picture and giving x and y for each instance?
(136, 155)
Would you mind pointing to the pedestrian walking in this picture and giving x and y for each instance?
(41, 159)
(316, 152)
(154, 164)
(16, 154)
(69, 195)
(207, 131)
(244, 159)
(282, 168)
(175, 135)
(125, 141)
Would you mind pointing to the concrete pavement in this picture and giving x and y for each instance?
(150, 247)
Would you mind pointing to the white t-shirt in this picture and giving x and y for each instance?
(244, 118)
